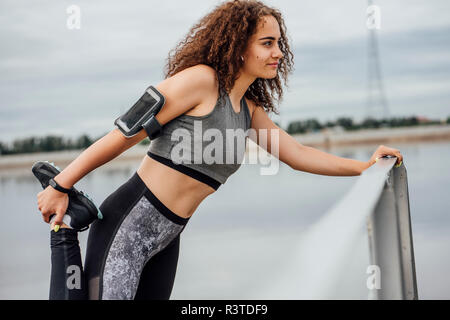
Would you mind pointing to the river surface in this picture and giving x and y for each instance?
(242, 239)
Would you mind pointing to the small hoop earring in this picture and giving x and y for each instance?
(242, 58)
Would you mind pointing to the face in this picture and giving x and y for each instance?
(263, 50)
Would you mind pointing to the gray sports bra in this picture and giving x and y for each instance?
(208, 148)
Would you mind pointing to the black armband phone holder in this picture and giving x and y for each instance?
(153, 128)
(142, 115)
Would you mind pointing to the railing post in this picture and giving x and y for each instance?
(390, 240)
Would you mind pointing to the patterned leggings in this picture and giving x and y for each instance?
(132, 253)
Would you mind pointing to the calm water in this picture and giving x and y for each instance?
(241, 241)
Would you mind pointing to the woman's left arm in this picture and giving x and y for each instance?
(308, 159)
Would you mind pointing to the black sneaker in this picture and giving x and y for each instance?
(81, 211)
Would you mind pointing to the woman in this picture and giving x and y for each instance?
(222, 76)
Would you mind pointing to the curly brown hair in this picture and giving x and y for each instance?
(221, 37)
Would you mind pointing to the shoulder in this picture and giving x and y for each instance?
(197, 80)
(251, 106)
(200, 74)
(204, 70)
(190, 83)
(208, 78)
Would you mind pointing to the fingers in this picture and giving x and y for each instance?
(58, 221)
(396, 153)
(50, 204)
(386, 151)
(47, 213)
(46, 216)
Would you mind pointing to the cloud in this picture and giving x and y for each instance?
(91, 75)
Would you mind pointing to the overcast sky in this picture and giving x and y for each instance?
(54, 80)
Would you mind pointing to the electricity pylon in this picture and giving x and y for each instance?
(376, 97)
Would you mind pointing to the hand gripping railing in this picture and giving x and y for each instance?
(390, 234)
(378, 200)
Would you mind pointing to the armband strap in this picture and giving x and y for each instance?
(153, 128)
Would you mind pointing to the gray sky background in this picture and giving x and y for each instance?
(67, 82)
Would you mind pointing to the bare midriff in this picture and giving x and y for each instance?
(179, 192)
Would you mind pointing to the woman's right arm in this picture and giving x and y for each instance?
(102, 151)
(182, 91)
(108, 147)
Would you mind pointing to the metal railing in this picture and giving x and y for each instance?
(378, 199)
(376, 206)
(390, 233)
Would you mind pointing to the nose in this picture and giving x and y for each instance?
(278, 54)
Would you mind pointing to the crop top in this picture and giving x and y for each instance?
(208, 148)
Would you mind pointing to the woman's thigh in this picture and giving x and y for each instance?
(158, 276)
(135, 227)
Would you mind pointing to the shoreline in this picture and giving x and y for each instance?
(324, 139)
(330, 138)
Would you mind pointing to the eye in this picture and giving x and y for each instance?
(270, 43)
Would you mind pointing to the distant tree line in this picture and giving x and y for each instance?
(57, 143)
(313, 125)
(49, 143)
